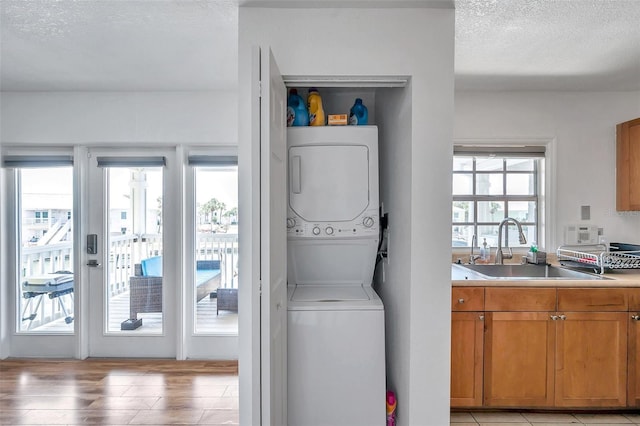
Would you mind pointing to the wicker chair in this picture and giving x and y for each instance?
(145, 291)
(227, 300)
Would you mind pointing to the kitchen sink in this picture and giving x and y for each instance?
(519, 272)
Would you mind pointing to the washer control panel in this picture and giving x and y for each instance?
(366, 224)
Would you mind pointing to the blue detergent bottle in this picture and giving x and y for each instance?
(297, 114)
(358, 115)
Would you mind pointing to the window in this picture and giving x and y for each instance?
(41, 217)
(490, 184)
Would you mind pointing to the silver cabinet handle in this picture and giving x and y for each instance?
(563, 317)
(460, 300)
(481, 317)
(635, 317)
(553, 317)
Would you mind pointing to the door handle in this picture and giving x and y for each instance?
(93, 263)
(296, 185)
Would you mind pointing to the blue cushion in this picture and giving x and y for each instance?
(152, 267)
(204, 275)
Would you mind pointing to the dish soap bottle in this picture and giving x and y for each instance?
(316, 113)
(359, 114)
(297, 114)
(484, 251)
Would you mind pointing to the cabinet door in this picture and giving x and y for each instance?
(634, 360)
(467, 299)
(628, 166)
(518, 359)
(467, 336)
(591, 359)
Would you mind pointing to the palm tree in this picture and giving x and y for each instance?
(213, 206)
(231, 214)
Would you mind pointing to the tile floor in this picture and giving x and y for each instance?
(541, 419)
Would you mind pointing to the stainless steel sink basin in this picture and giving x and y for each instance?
(519, 272)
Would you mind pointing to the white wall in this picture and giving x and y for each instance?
(583, 127)
(71, 118)
(418, 43)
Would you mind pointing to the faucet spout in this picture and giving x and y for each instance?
(500, 256)
(473, 257)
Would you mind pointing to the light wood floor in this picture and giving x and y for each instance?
(118, 392)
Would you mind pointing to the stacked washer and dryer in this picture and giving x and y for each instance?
(336, 343)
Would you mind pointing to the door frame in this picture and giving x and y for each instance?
(28, 344)
(97, 341)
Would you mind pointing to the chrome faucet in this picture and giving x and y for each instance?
(473, 257)
(523, 240)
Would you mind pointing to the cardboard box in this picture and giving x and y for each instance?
(337, 120)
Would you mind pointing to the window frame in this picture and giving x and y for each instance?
(544, 174)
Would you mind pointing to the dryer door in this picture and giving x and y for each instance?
(329, 183)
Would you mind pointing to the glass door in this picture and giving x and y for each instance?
(211, 259)
(45, 229)
(132, 269)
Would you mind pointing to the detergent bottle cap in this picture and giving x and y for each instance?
(391, 398)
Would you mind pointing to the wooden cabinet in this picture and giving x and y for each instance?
(519, 361)
(545, 347)
(591, 359)
(519, 342)
(591, 353)
(467, 342)
(628, 166)
(633, 385)
(467, 299)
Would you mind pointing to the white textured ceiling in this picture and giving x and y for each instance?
(548, 44)
(118, 44)
(192, 44)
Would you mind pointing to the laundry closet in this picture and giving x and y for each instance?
(336, 230)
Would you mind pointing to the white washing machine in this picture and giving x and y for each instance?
(335, 328)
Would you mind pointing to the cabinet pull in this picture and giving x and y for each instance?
(563, 317)
(460, 300)
(635, 317)
(481, 317)
(553, 317)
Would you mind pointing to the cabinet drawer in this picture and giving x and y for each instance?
(634, 299)
(593, 299)
(514, 299)
(467, 299)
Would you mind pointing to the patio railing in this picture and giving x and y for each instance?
(127, 250)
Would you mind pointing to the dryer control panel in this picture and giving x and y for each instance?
(366, 225)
